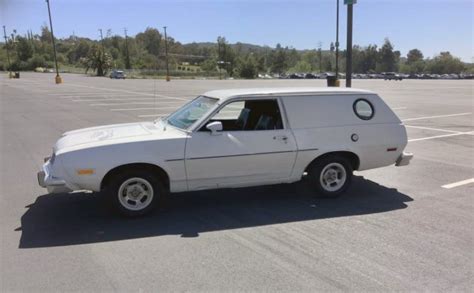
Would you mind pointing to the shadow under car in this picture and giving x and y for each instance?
(80, 218)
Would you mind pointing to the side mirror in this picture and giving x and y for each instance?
(214, 127)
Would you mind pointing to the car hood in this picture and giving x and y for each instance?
(116, 133)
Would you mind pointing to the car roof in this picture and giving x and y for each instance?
(287, 91)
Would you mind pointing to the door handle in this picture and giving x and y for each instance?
(281, 137)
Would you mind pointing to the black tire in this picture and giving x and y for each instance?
(332, 162)
(157, 189)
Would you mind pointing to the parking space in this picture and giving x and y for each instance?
(406, 228)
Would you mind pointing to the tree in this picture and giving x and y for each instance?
(97, 60)
(445, 63)
(369, 63)
(151, 40)
(301, 66)
(45, 34)
(226, 56)
(311, 57)
(261, 63)
(247, 67)
(387, 58)
(24, 49)
(327, 62)
(36, 61)
(79, 51)
(146, 51)
(280, 60)
(210, 65)
(414, 55)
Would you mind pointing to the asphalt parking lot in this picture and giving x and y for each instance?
(396, 229)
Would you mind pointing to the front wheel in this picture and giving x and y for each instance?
(330, 176)
(135, 193)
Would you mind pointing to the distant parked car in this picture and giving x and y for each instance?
(454, 76)
(310, 76)
(117, 74)
(296, 76)
(375, 76)
(324, 75)
(391, 76)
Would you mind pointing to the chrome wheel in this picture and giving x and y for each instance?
(135, 194)
(333, 177)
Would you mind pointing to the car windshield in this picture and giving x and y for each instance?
(191, 112)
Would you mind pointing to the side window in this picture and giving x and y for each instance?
(363, 109)
(249, 115)
(230, 111)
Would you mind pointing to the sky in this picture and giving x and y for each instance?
(429, 25)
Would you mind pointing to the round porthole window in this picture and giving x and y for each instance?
(363, 109)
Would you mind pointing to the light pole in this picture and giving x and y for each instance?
(337, 39)
(58, 78)
(166, 54)
(349, 4)
(8, 53)
(219, 57)
(127, 54)
(320, 57)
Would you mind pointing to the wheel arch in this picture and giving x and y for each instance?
(352, 157)
(154, 169)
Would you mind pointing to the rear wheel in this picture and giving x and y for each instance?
(330, 176)
(135, 193)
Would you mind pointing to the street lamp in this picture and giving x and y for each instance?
(349, 4)
(58, 78)
(166, 53)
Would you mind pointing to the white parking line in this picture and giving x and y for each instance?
(459, 183)
(142, 109)
(126, 91)
(439, 116)
(434, 129)
(153, 115)
(440, 136)
(133, 103)
(104, 96)
(123, 99)
(73, 94)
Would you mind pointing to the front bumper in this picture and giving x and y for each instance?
(404, 159)
(51, 183)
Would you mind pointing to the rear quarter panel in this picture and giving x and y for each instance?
(323, 124)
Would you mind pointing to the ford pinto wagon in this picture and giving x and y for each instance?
(232, 138)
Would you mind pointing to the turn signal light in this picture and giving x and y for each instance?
(85, 171)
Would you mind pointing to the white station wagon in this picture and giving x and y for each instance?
(232, 138)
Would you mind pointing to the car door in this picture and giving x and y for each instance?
(255, 147)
